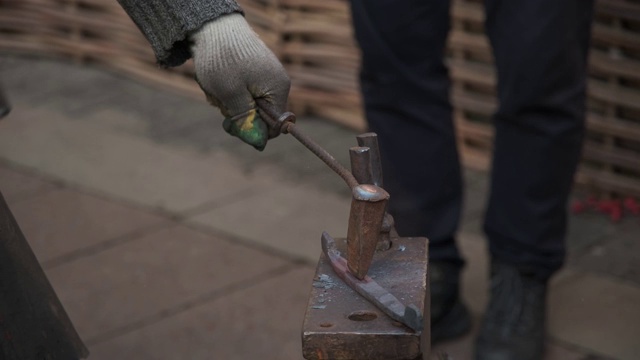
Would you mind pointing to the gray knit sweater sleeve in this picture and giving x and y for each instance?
(166, 23)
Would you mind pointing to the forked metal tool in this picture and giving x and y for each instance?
(410, 315)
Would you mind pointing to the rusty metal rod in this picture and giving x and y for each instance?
(286, 123)
(361, 164)
(322, 154)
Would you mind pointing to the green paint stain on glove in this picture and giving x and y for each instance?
(251, 129)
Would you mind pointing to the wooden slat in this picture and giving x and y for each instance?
(616, 157)
(622, 9)
(469, 42)
(616, 36)
(614, 65)
(624, 97)
(611, 126)
(467, 11)
(609, 181)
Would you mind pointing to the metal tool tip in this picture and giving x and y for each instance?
(413, 318)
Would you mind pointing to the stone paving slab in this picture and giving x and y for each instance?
(10, 63)
(16, 185)
(290, 219)
(463, 348)
(597, 313)
(476, 187)
(260, 322)
(165, 117)
(63, 221)
(125, 167)
(108, 291)
(475, 275)
(36, 81)
(618, 257)
(586, 230)
(102, 98)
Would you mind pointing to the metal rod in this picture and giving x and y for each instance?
(370, 140)
(323, 155)
(287, 126)
(361, 164)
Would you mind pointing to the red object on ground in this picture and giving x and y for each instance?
(578, 207)
(631, 205)
(615, 209)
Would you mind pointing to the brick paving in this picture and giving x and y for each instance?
(167, 239)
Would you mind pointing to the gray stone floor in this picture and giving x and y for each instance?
(167, 239)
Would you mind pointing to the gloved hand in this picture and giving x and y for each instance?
(234, 67)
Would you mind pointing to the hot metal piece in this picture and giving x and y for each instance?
(365, 220)
(410, 315)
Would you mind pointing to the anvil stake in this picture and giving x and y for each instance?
(410, 315)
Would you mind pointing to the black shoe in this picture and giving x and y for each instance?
(449, 317)
(514, 324)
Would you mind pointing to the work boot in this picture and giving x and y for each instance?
(449, 317)
(514, 324)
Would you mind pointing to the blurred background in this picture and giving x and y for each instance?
(167, 239)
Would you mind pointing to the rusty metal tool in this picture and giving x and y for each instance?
(361, 164)
(368, 223)
(367, 287)
(370, 140)
(368, 203)
(366, 218)
(371, 173)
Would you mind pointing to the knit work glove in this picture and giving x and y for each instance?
(234, 67)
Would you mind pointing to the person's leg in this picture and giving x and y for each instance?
(540, 49)
(405, 86)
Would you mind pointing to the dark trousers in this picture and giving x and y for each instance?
(540, 49)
